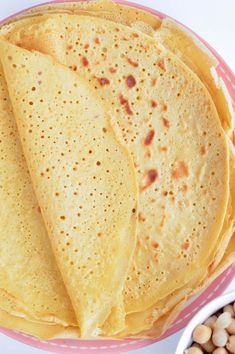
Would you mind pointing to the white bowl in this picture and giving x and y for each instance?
(200, 317)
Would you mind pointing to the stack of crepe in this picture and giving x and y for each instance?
(116, 171)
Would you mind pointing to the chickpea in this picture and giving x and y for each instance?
(229, 308)
(220, 351)
(196, 345)
(231, 344)
(208, 346)
(231, 327)
(210, 321)
(219, 337)
(193, 350)
(223, 321)
(202, 334)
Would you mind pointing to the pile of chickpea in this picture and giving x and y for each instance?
(216, 335)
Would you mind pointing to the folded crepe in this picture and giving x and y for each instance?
(83, 177)
(41, 330)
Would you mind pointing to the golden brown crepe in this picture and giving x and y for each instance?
(168, 32)
(83, 177)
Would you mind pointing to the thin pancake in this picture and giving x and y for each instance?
(8, 302)
(171, 34)
(42, 331)
(92, 163)
(107, 9)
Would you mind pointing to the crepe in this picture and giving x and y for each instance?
(155, 99)
(37, 329)
(92, 163)
(168, 32)
(110, 10)
(8, 302)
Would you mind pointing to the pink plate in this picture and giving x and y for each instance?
(214, 290)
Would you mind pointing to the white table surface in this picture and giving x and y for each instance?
(211, 19)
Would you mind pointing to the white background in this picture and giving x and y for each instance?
(214, 20)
